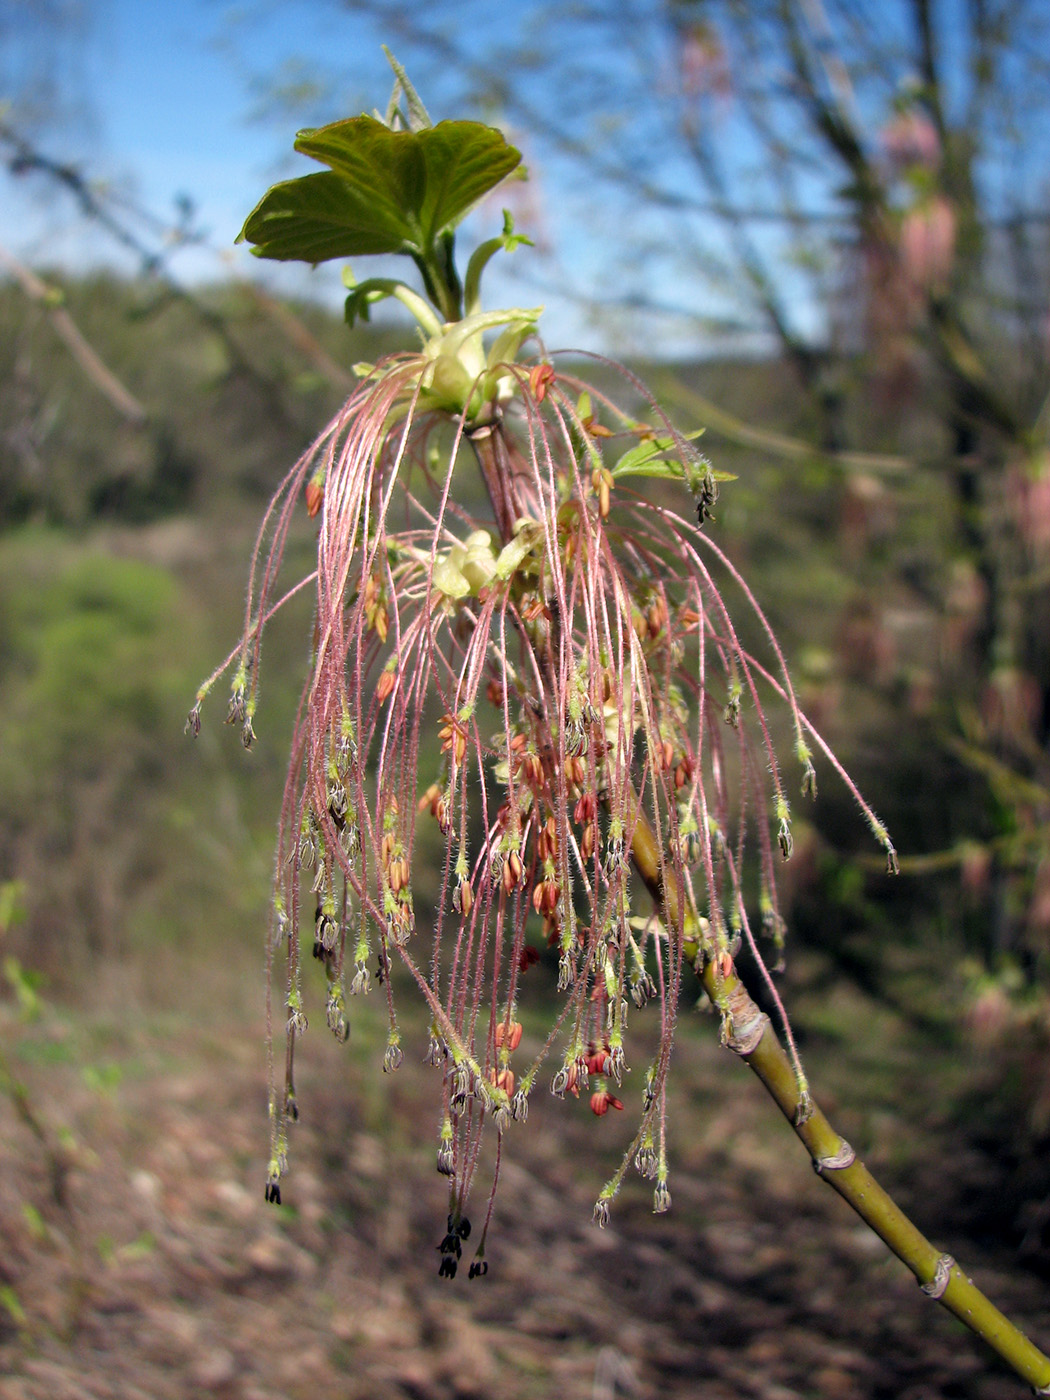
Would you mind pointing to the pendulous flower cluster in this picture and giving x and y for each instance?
(514, 643)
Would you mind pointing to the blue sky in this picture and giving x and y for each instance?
(172, 99)
(169, 115)
(171, 110)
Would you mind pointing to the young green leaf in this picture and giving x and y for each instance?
(388, 191)
(319, 217)
(418, 116)
(507, 241)
(656, 456)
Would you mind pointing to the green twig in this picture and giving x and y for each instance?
(751, 1036)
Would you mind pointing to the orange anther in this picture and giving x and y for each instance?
(508, 1035)
(314, 497)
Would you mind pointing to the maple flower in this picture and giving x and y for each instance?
(514, 640)
(549, 670)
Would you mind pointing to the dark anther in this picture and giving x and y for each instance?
(273, 1193)
(326, 934)
(451, 1245)
(478, 1269)
(706, 499)
(237, 712)
(447, 1268)
(463, 1229)
(527, 957)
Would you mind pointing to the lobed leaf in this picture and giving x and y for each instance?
(386, 192)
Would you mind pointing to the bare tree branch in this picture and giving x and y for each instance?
(88, 359)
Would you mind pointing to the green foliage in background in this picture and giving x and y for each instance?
(88, 674)
(231, 400)
(98, 644)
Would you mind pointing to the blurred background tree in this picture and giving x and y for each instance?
(46, 69)
(838, 261)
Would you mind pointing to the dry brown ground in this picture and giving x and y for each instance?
(169, 1277)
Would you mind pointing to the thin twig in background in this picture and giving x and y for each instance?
(103, 378)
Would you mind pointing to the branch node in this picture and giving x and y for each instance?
(803, 1109)
(936, 1286)
(844, 1157)
(744, 1041)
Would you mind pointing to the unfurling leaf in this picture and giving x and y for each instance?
(386, 191)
